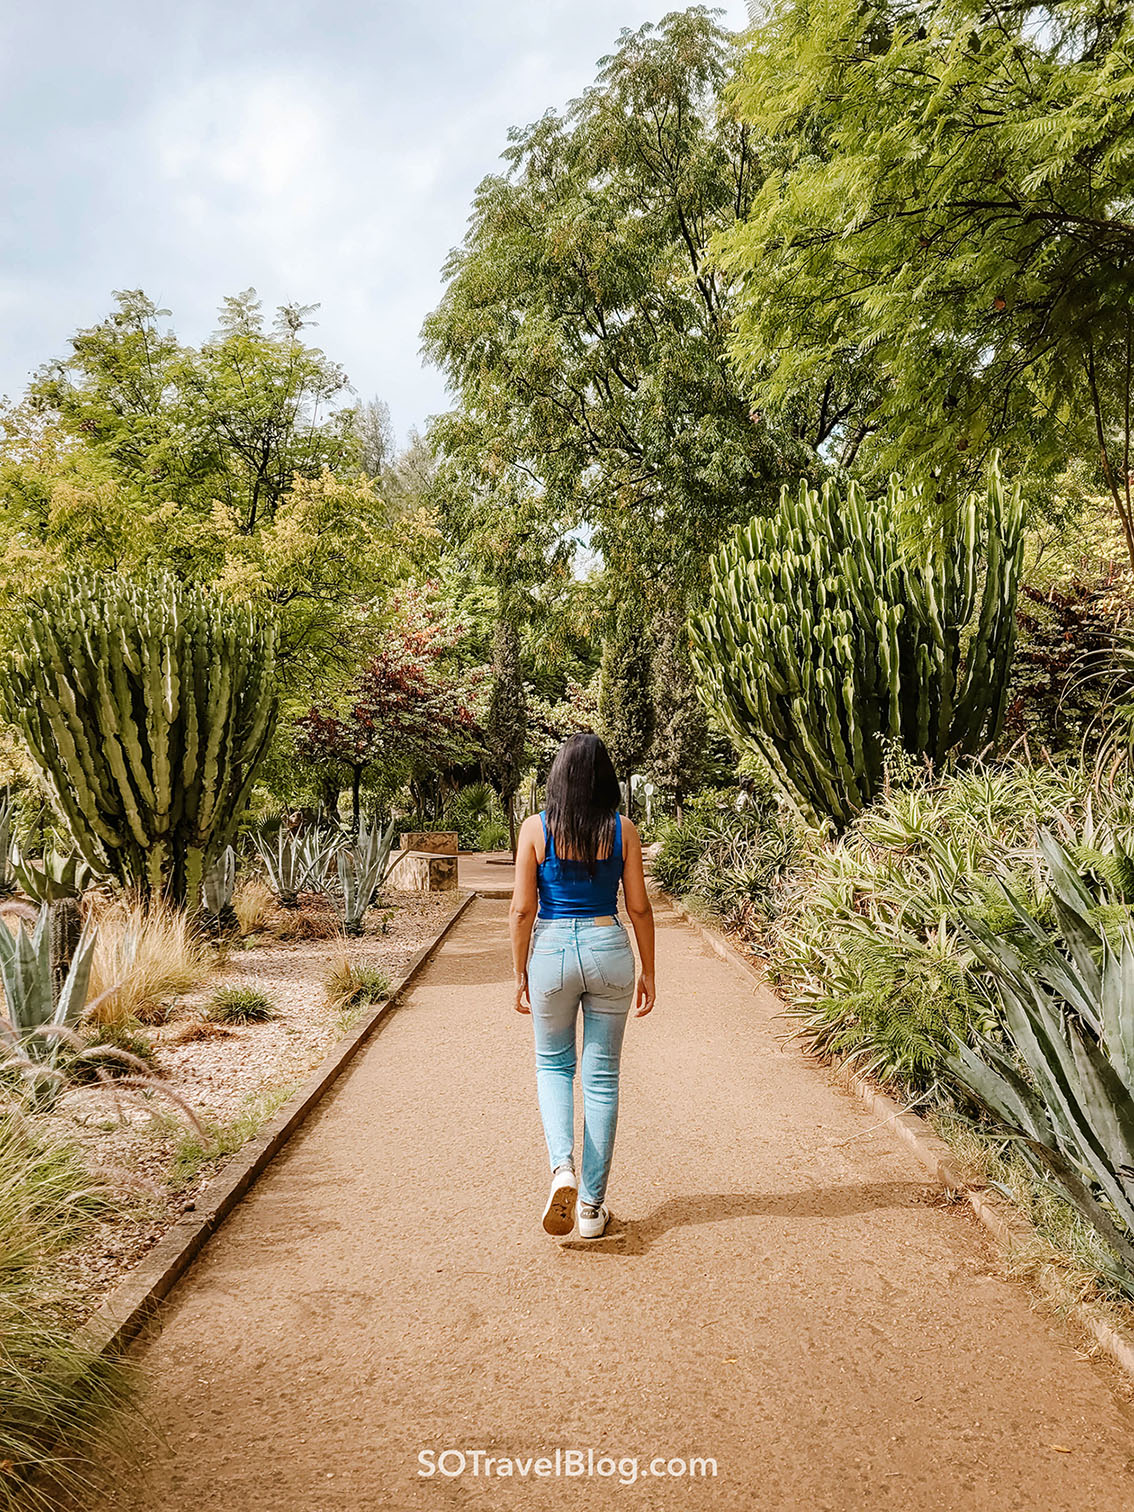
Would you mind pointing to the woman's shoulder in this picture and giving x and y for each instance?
(532, 825)
(630, 834)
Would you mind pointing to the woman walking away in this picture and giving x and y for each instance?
(569, 861)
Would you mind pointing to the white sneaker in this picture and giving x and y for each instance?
(559, 1214)
(592, 1227)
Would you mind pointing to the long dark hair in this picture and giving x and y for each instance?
(582, 799)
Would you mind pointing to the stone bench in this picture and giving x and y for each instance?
(423, 871)
(436, 842)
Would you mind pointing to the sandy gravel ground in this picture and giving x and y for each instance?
(781, 1291)
(131, 1139)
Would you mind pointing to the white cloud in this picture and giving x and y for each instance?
(321, 155)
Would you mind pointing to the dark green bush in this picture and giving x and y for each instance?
(728, 852)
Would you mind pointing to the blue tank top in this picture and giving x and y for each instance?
(567, 891)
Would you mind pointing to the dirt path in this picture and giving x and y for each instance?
(781, 1292)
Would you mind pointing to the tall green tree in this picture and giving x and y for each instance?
(506, 722)
(235, 420)
(233, 464)
(678, 752)
(948, 198)
(626, 711)
(585, 331)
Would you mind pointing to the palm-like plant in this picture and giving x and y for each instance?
(1063, 1084)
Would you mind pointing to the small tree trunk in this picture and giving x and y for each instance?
(329, 796)
(510, 806)
(355, 800)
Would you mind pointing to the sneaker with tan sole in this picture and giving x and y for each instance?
(559, 1214)
(593, 1220)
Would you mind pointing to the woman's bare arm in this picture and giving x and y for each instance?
(525, 902)
(641, 916)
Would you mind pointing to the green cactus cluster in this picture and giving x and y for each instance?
(146, 707)
(829, 632)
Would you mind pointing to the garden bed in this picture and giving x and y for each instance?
(232, 1076)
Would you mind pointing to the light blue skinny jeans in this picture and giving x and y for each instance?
(577, 964)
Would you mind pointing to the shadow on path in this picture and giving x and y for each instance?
(634, 1236)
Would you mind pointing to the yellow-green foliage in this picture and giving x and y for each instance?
(146, 955)
(55, 1395)
(866, 940)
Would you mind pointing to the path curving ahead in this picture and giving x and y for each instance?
(781, 1292)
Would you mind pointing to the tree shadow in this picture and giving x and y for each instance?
(634, 1236)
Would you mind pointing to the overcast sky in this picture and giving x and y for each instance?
(323, 153)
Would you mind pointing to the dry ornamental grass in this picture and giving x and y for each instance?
(146, 956)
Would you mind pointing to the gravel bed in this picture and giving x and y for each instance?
(131, 1139)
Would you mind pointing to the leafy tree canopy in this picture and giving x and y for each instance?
(947, 201)
(586, 333)
(228, 463)
(234, 421)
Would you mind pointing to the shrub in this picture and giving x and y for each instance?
(254, 905)
(868, 939)
(728, 852)
(492, 836)
(146, 955)
(237, 1004)
(55, 1394)
(119, 1048)
(351, 983)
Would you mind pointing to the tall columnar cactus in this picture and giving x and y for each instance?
(826, 631)
(146, 707)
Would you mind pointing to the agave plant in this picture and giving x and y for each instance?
(56, 882)
(1064, 1083)
(292, 860)
(55, 878)
(40, 1018)
(361, 868)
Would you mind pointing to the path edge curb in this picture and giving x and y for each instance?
(136, 1298)
(1006, 1226)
